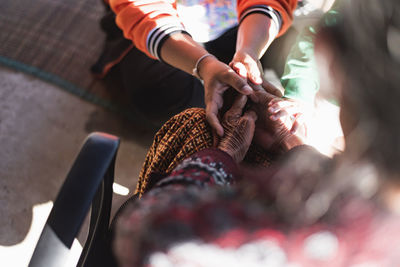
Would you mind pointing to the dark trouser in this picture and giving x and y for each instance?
(158, 89)
(161, 91)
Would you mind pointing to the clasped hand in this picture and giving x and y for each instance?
(272, 131)
(218, 77)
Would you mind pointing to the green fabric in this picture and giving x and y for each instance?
(300, 78)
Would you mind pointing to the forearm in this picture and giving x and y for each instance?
(182, 52)
(256, 32)
(144, 24)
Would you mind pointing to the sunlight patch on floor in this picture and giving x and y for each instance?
(120, 189)
(19, 255)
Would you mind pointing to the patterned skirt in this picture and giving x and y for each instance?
(181, 136)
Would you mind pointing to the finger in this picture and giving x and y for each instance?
(269, 87)
(256, 87)
(300, 120)
(251, 115)
(285, 112)
(274, 101)
(237, 82)
(238, 105)
(278, 106)
(295, 127)
(292, 110)
(254, 73)
(255, 98)
(260, 94)
(211, 115)
(239, 69)
(248, 121)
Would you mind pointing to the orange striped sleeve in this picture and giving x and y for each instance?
(280, 11)
(148, 23)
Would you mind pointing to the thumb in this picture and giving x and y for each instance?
(272, 89)
(253, 72)
(239, 68)
(238, 83)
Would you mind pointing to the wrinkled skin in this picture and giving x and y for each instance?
(273, 134)
(297, 110)
(257, 124)
(238, 129)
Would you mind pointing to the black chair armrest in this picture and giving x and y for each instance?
(89, 180)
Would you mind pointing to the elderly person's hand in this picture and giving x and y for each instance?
(273, 134)
(238, 129)
(296, 110)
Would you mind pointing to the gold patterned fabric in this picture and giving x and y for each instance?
(183, 135)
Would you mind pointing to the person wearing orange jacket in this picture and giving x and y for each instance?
(188, 38)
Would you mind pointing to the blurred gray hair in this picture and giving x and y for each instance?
(367, 38)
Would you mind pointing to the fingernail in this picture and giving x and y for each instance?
(271, 109)
(273, 117)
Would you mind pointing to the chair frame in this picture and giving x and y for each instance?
(88, 184)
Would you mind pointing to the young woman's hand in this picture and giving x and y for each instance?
(238, 128)
(218, 77)
(255, 33)
(247, 66)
